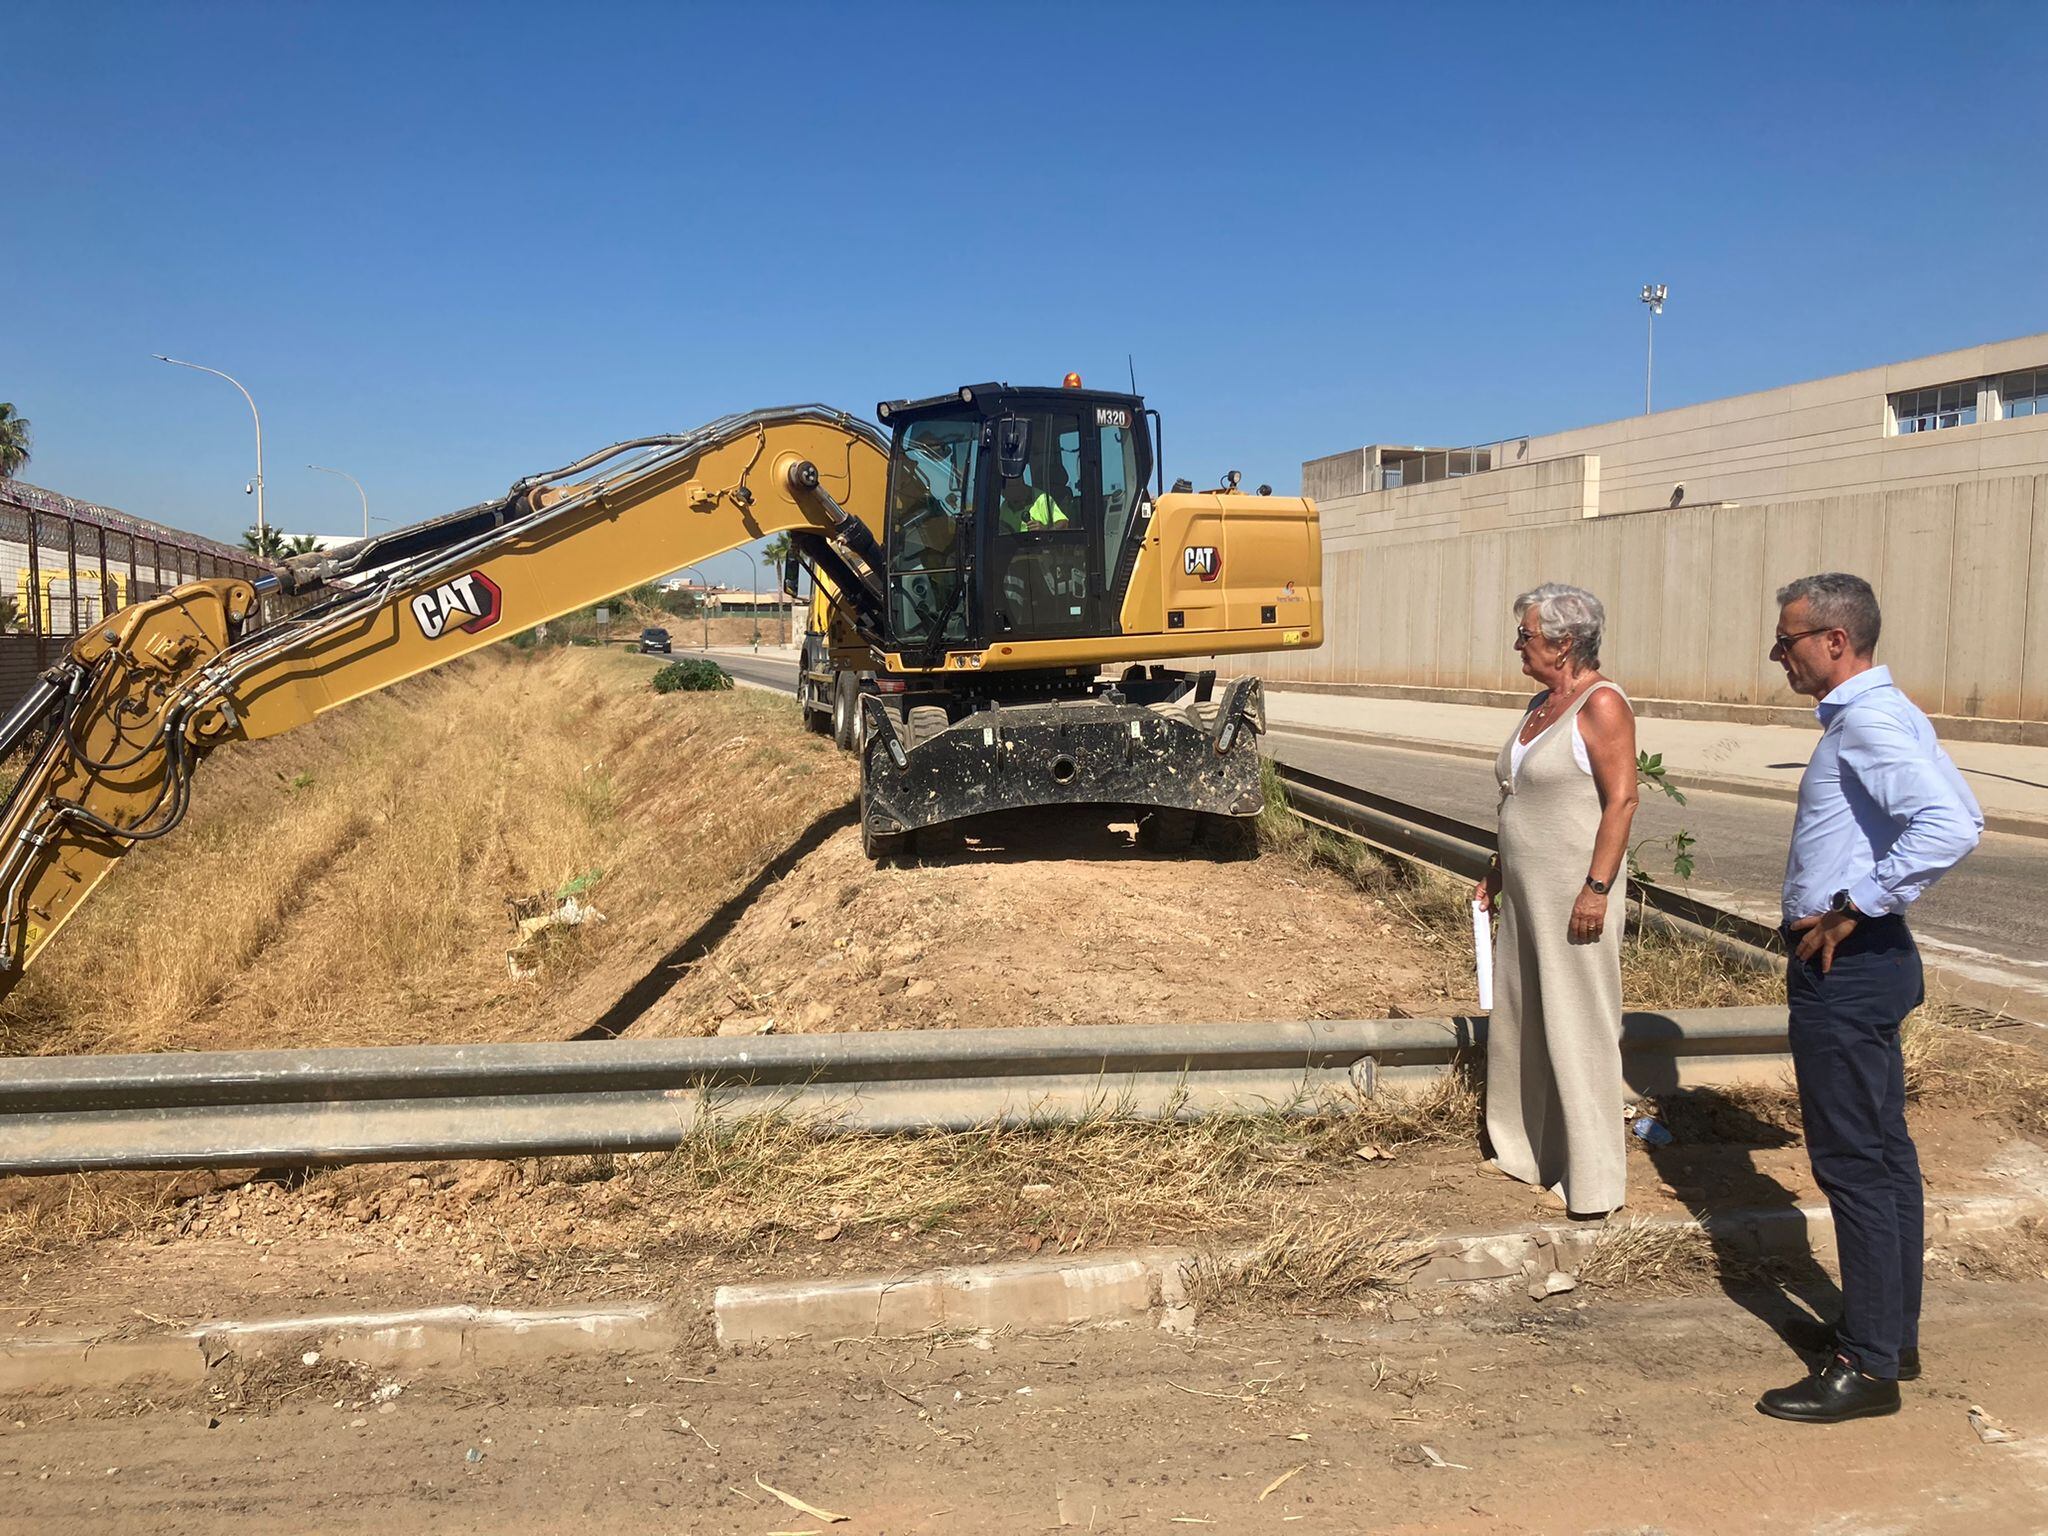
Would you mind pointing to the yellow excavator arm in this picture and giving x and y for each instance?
(147, 693)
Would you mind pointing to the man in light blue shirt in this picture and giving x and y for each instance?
(1883, 814)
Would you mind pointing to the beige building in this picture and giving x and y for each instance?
(1928, 477)
(1980, 413)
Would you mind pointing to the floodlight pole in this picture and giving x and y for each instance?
(202, 368)
(352, 480)
(1653, 295)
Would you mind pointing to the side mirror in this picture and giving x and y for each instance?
(790, 568)
(1013, 447)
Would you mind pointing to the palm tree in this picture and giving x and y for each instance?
(14, 440)
(304, 543)
(270, 545)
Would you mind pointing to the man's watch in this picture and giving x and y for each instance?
(1840, 902)
(1598, 887)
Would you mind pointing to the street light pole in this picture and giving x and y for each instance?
(703, 604)
(202, 368)
(754, 595)
(1653, 295)
(352, 480)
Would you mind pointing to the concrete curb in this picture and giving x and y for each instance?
(1755, 789)
(1107, 1290)
(412, 1341)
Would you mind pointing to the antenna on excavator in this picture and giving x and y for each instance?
(1134, 372)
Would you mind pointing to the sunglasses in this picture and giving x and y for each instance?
(1780, 644)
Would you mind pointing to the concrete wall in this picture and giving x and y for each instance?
(1829, 437)
(1961, 570)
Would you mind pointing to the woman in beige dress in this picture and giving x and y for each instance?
(1567, 777)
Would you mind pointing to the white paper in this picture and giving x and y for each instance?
(1482, 954)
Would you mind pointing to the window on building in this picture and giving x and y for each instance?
(2024, 394)
(1930, 410)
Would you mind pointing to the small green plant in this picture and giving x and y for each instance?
(693, 675)
(580, 885)
(297, 782)
(1651, 773)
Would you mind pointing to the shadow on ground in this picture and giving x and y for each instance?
(673, 966)
(1712, 1167)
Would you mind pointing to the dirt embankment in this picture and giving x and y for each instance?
(357, 882)
(1045, 920)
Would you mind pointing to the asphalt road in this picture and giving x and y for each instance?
(1982, 920)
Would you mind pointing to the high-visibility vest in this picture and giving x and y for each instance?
(1043, 512)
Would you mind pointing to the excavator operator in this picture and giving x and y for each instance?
(1023, 510)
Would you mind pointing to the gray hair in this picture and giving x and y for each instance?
(1567, 613)
(1837, 600)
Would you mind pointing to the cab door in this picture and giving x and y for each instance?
(1044, 565)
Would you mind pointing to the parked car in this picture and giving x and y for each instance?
(654, 641)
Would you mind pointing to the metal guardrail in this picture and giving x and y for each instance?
(1464, 849)
(72, 1114)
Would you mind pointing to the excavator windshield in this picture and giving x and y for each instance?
(931, 500)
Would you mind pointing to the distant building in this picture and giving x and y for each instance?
(1975, 414)
(749, 602)
(1928, 477)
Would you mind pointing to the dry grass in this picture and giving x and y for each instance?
(1354, 1254)
(1657, 971)
(1107, 1178)
(43, 1216)
(349, 883)
(1950, 1062)
(1644, 1255)
(738, 1184)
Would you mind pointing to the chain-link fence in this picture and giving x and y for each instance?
(65, 565)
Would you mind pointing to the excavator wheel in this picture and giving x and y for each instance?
(815, 719)
(1228, 838)
(926, 721)
(882, 847)
(845, 709)
(1167, 829)
(885, 846)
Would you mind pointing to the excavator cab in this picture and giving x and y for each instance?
(1013, 514)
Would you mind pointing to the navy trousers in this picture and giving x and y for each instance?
(1852, 1097)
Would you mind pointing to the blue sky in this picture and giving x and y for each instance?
(446, 246)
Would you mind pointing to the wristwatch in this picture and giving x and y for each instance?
(1840, 902)
(1598, 887)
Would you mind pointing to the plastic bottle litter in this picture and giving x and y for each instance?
(1650, 1130)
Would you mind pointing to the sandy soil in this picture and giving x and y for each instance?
(1565, 1416)
(1058, 920)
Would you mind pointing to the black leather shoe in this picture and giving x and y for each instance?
(1835, 1392)
(1823, 1339)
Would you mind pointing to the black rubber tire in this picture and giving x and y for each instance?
(1167, 829)
(1228, 838)
(884, 847)
(845, 708)
(925, 722)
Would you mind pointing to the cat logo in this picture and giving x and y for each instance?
(1203, 560)
(469, 603)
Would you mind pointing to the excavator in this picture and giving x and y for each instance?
(998, 579)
